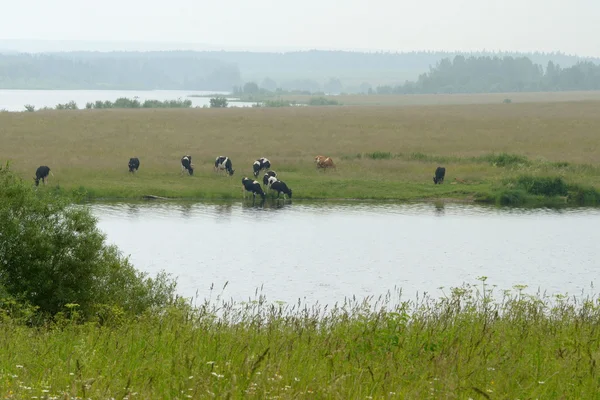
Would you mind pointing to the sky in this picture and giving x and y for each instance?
(390, 25)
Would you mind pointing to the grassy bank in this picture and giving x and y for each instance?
(465, 345)
(380, 152)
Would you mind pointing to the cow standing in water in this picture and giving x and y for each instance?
(225, 163)
(134, 164)
(280, 187)
(42, 173)
(440, 173)
(186, 164)
(252, 187)
(260, 164)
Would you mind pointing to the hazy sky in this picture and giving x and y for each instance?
(513, 25)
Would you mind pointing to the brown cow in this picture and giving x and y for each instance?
(324, 162)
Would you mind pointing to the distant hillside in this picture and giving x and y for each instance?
(222, 70)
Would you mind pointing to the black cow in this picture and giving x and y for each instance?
(267, 176)
(134, 164)
(440, 173)
(281, 187)
(42, 173)
(223, 162)
(253, 187)
(186, 164)
(260, 164)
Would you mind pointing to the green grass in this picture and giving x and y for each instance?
(471, 343)
(381, 153)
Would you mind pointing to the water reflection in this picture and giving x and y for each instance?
(328, 251)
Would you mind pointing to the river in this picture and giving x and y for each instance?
(326, 252)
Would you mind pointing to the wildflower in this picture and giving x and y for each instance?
(70, 373)
(45, 391)
(297, 379)
(191, 377)
(491, 369)
(541, 382)
(19, 366)
(210, 363)
(217, 375)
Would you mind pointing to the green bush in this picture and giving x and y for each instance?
(322, 101)
(218, 102)
(544, 186)
(52, 254)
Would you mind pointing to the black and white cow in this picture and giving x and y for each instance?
(260, 164)
(186, 164)
(440, 173)
(268, 175)
(280, 187)
(223, 162)
(252, 187)
(134, 164)
(42, 173)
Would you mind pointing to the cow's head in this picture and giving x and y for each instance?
(231, 171)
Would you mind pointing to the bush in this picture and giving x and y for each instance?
(322, 101)
(52, 254)
(218, 102)
(544, 186)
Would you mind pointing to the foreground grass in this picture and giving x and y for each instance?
(465, 345)
(380, 152)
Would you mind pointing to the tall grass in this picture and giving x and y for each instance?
(470, 343)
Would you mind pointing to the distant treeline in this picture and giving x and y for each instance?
(493, 75)
(116, 71)
(309, 71)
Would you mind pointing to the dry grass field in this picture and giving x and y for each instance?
(90, 148)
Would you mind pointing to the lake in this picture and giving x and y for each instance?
(326, 252)
(15, 100)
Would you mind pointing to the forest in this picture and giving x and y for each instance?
(311, 71)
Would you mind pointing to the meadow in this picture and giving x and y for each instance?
(472, 343)
(383, 153)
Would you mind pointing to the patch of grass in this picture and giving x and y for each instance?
(506, 160)
(91, 148)
(379, 155)
(467, 342)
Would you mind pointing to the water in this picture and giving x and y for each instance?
(328, 252)
(15, 100)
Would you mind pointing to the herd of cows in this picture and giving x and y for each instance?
(223, 163)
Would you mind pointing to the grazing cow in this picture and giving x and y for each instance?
(252, 187)
(440, 173)
(281, 187)
(223, 162)
(134, 164)
(42, 173)
(324, 162)
(186, 164)
(268, 175)
(260, 164)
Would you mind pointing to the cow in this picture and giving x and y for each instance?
(186, 164)
(252, 187)
(268, 175)
(223, 162)
(324, 162)
(260, 164)
(134, 164)
(440, 173)
(42, 173)
(281, 187)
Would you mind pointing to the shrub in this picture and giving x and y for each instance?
(218, 102)
(52, 254)
(29, 107)
(544, 186)
(322, 101)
